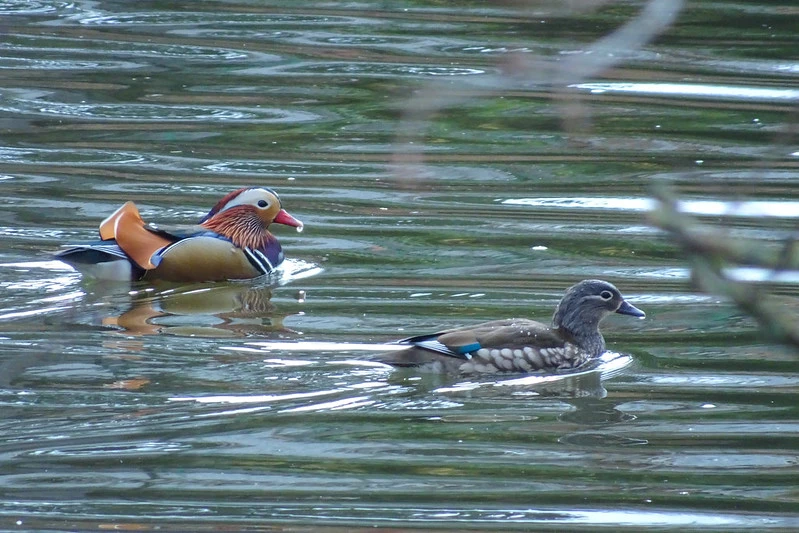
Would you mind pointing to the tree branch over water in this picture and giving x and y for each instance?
(714, 254)
(531, 72)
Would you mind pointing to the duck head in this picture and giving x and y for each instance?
(244, 216)
(584, 306)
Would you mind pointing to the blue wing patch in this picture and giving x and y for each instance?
(430, 342)
(468, 348)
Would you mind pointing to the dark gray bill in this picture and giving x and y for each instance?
(629, 309)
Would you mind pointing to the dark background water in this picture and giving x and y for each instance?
(247, 405)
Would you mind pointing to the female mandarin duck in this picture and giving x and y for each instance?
(521, 345)
(231, 242)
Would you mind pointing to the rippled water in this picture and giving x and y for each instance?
(257, 404)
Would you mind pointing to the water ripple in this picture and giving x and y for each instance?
(157, 112)
(694, 91)
(177, 18)
(233, 405)
(36, 156)
(71, 47)
(16, 63)
(34, 7)
(743, 208)
(363, 69)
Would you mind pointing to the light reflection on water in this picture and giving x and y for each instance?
(714, 92)
(753, 274)
(259, 403)
(748, 208)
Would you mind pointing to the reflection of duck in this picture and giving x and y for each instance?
(586, 382)
(231, 242)
(213, 310)
(521, 345)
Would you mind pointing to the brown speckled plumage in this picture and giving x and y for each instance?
(522, 345)
(240, 224)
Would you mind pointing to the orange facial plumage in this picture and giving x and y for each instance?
(132, 249)
(244, 216)
(242, 225)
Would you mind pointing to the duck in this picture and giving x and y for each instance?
(518, 344)
(231, 242)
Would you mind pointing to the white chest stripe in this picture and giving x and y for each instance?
(259, 260)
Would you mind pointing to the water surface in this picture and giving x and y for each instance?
(257, 405)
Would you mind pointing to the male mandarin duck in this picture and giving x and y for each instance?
(522, 345)
(231, 242)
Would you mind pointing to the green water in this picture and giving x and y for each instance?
(444, 179)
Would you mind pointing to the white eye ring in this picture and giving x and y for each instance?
(606, 295)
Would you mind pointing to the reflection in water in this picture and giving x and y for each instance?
(152, 403)
(698, 90)
(215, 310)
(584, 382)
(52, 291)
(751, 208)
(212, 309)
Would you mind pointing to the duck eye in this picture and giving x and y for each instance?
(262, 203)
(605, 295)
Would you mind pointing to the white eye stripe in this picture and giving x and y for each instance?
(252, 197)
